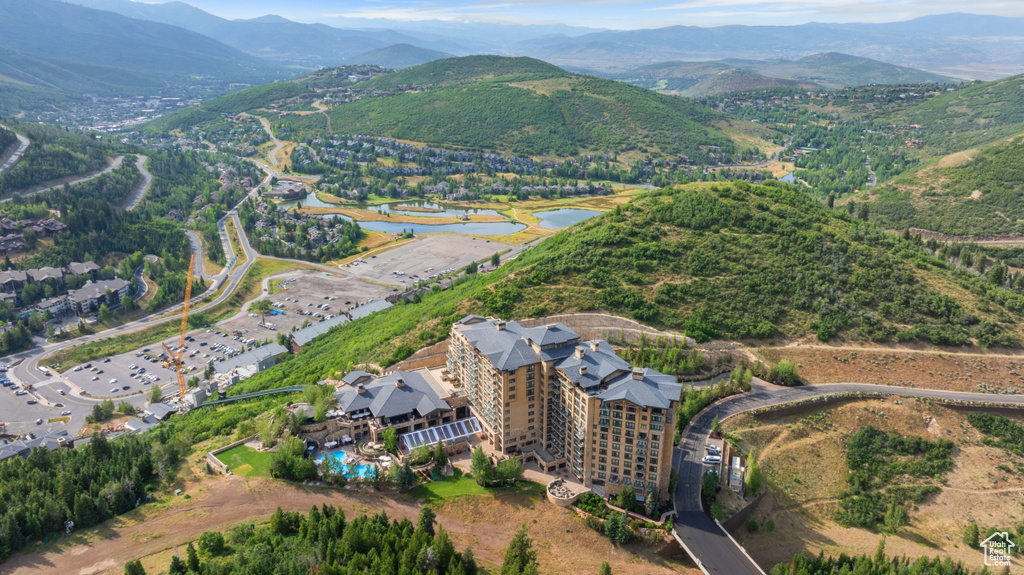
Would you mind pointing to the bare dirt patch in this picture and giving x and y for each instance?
(975, 372)
(803, 460)
(486, 523)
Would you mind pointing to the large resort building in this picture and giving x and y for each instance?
(540, 392)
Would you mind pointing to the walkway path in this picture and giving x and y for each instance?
(23, 144)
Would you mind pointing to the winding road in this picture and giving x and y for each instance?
(147, 182)
(23, 144)
(714, 551)
(69, 182)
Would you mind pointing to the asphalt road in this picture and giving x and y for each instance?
(23, 144)
(113, 166)
(707, 543)
(197, 248)
(147, 182)
(25, 365)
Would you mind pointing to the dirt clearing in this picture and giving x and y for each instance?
(563, 543)
(803, 458)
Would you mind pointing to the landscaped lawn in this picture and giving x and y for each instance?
(246, 461)
(460, 485)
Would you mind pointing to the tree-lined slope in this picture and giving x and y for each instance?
(757, 262)
(974, 193)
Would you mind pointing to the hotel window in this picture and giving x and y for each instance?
(617, 415)
(631, 417)
(600, 475)
(616, 423)
(628, 449)
(604, 444)
(530, 421)
(626, 472)
(603, 452)
(602, 460)
(629, 424)
(654, 460)
(530, 414)
(615, 463)
(653, 469)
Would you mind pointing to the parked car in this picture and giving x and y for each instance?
(65, 412)
(712, 459)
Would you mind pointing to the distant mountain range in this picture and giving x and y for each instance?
(963, 45)
(960, 45)
(61, 46)
(398, 56)
(828, 71)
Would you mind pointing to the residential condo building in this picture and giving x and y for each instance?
(540, 393)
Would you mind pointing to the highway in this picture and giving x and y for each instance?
(23, 144)
(705, 541)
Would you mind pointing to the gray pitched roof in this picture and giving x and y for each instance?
(601, 363)
(93, 290)
(16, 275)
(78, 269)
(308, 334)
(368, 308)
(354, 376)
(159, 410)
(384, 398)
(46, 273)
(552, 334)
(250, 357)
(653, 390)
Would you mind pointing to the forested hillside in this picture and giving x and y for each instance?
(965, 118)
(55, 153)
(975, 194)
(739, 261)
(516, 105)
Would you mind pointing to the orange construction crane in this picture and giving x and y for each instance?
(174, 362)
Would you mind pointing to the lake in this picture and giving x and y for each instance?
(312, 201)
(788, 178)
(474, 228)
(558, 219)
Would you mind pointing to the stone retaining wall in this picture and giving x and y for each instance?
(219, 465)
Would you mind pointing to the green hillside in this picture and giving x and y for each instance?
(467, 70)
(740, 261)
(975, 115)
(517, 105)
(972, 194)
(528, 107)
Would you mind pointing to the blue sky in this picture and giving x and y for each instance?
(617, 14)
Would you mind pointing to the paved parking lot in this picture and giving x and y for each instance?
(94, 378)
(301, 291)
(436, 253)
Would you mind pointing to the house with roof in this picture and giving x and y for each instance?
(12, 281)
(82, 269)
(541, 394)
(92, 295)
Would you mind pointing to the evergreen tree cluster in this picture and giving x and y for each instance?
(322, 540)
(87, 485)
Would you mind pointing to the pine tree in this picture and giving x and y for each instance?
(134, 568)
(520, 558)
(425, 522)
(177, 566)
(606, 569)
(193, 559)
(972, 535)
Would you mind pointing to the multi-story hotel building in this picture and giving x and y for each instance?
(539, 392)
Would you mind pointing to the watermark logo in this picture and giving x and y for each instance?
(997, 549)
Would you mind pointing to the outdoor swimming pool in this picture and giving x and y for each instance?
(338, 457)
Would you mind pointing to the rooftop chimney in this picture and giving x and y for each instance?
(360, 388)
(638, 373)
(580, 351)
(583, 370)
(501, 326)
(399, 382)
(593, 345)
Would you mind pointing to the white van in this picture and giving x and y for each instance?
(712, 459)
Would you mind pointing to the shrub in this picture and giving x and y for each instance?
(752, 526)
(783, 373)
